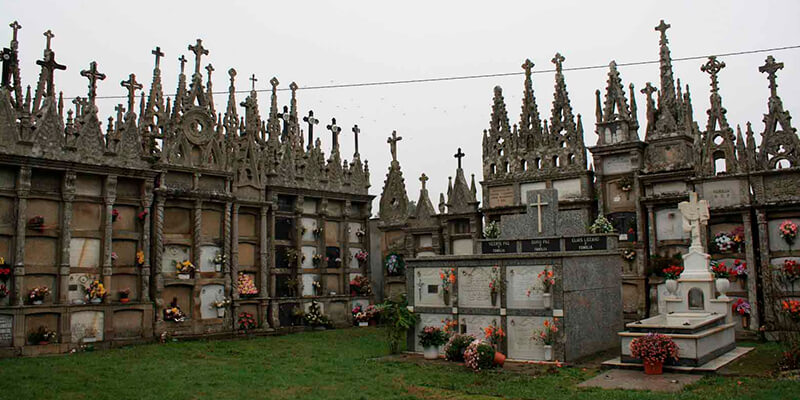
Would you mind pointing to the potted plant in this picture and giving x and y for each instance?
(742, 307)
(173, 313)
(454, 349)
(361, 256)
(479, 356)
(42, 336)
(185, 269)
(497, 285)
(220, 305)
(547, 336)
(654, 350)
(398, 319)
(96, 292)
(448, 277)
(548, 280)
(431, 338)
(494, 334)
(492, 230)
(721, 274)
(395, 266)
(246, 321)
(739, 271)
(246, 286)
(788, 231)
(124, 295)
(36, 295)
(671, 274)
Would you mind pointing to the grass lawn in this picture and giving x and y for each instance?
(338, 364)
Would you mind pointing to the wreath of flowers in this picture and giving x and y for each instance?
(492, 230)
(601, 225)
(625, 184)
(395, 265)
(788, 231)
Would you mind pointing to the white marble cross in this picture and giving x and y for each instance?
(695, 215)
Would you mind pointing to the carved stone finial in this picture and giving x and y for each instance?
(157, 52)
(209, 69)
(356, 130)
(274, 82)
(527, 66)
(662, 27)
(49, 35)
(393, 144)
(93, 75)
(459, 155)
(293, 87)
(182, 59)
(424, 179)
(712, 67)
(132, 86)
(232, 74)
(558, 60)
(199, 51)
(15, 26)
(771, 68)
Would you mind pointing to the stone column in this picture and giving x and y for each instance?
(145, 272)
(197, 230)
(768, 283)
(23, 189)
(108, 200)
(752, 275)
(67, 196)
(158, 251)
(235, 250)
(263, 235)
(651, 229)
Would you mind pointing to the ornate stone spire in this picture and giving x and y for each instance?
(252, 119)
(561, 118)
(394, 199)
(530, 126)
(498, 126)
(780, 146)
(231, 118)
(11, 75)
(46, 87)
(273, 125)
(460, 198)
(616, 122)
(666, 96)
(719, 141)
(425, 208)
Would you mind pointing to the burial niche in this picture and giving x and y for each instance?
(696, 299)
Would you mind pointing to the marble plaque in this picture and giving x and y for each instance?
(352, 259)
(474, 324)
(540, 245)
(427, 288)
(335, 208)
(526, 187)
(308, 256)
(352, 229)
(308, 281)
(207, 256)
(669, 225)
(426, 254)
(6, 330)
(776, 242)
(499, 247)
(521, 279)
(84, 253)
(331, 233)
(462, 247)
(473, 287)
(540, 217)
(424, 241)
(617, 164)
(669, 188)
(584, 243)
(309, 224)
(521, 344)
(87, 326)
(173, 254)
(723, 193)
(428, 320)
(208, 295)
(76, 287)
(501, 196)
(568, 188)
(309, 206)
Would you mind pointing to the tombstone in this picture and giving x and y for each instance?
(625, 224)
(669, 225)
(76, 287)
(462, 247)
(568, 188)
(501, 196)
(352, 230)
(527, 187)
(352, 261)
(87, 326)
(335, 208)
(308, 256)
(428, 320)
(331, 233)
(428, 291)
(473, 287)
(207, 256)
(308, 284)
(475, 324)
(776, 242)
(208, 295)
(309, 206)
(521, 337)
(248, 254)
(6, 330)
(128, 323)
(539, 220)
(283, 228)
(333, 253)
(520, 280)
(173, 254)
(309, 224)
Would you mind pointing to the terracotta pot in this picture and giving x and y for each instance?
(653, 368)
(430, 352)
(499, 358)
(124, 300)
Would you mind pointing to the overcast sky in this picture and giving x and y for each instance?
(339, 42)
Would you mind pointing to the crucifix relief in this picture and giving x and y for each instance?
(393, 144)
(538, 205)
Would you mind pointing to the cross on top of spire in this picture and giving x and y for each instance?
(424, 179)
(49, 35)
(93, 75)
(662, 27)
(459, 155)
(253, 80)
(393, 144)
(132, 86)
(274, 82)
(157, 52)
(558, 59)
(209, 69)
(527, 66)
(199, 51)
(182, 59)
(15, 26)
(771, 68)
(712, 67)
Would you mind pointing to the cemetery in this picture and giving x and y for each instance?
(185, 235)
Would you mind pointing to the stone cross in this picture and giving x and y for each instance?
(695, 215)
(132, 86)
(424, 180)
(393, 144)
(311, 122)
(49, 35)
(712, 67)
(253, 79)
(356, 131)
(209, 69)
(558, 59)
(93, 75)
(182, 59)
(157, 52)
(16, 27)
(771, 67)
(662, 27)
(648, 90)
(527, 66)
(198, 51)
(459, 155)
(334, 133)
(538, 205)
(286, 118)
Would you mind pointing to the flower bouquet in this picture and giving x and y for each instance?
(37, 294)
(672, 272)
(791, 270)
(315, 318)
(492, 230)
(246, 321)
(629, 255)
(719, 270)
(742, 307)
(494, 334)
(42, 336)
(448, 277)
(360, 315)
(96, 292)
(455, 347)
(625, 185)
(173, 313)
(479, 356)
(220, 259)
(601, 225)
(316, 288)
(788, 231)
(792, 308)
(430, 338)
(654, 350)
(316, 259)
(395, 266)
(449, 326)
(37, 224)
(317, 232)
(361, 257)
(547, 336)
(185, 269)
(115, 215)
(142, 214)
(724, 242)
(5, 270)
(360, 286)
(245, 285)
(139, 258)
(220, 305)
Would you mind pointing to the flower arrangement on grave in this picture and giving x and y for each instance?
(142, 214)
(432, 336)
(184, 267)
(791, 270)
(448, 277)
(361, 234)
(140, 258)
(739, 269)
(374, 312)
(361, 256)
(455, 347)
(115, 215)
(221, 303)
(547, 278)
(625, 184)
(394, 264)
(449, 326)
(719, 270)
(5, 270)
(317, 231)
(359, 314)
(479, 356)
(492, 230)
(738, 237)
(316, 287)
(741, 307)
(494, 334)
(315, 318)
(654, 350)
(316, 259)
(96, 292)
(4, 292)
(360, 286)
(628, 255)
(792, 308)
(37, 223)
(42, 335)
(37, 294)
(601, 225)
(245, 285)
(114, 256)
(220, 259)
(173, 313)
(672, 272)
(246, 321)
(788, 231)
(497, 285)
(547, 335)
(724, 242)
(124, 295)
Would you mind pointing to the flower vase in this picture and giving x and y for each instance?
(653, 368)
(499, 358)
(430, 352)
(547, 299)
(672, 287)
(446, 297)
(494, 298)
(217, 267)
(548, 352)
(96, 300)
(723, 284)
(37, 302)
(220, 312)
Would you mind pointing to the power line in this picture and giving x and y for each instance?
(495, 75)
